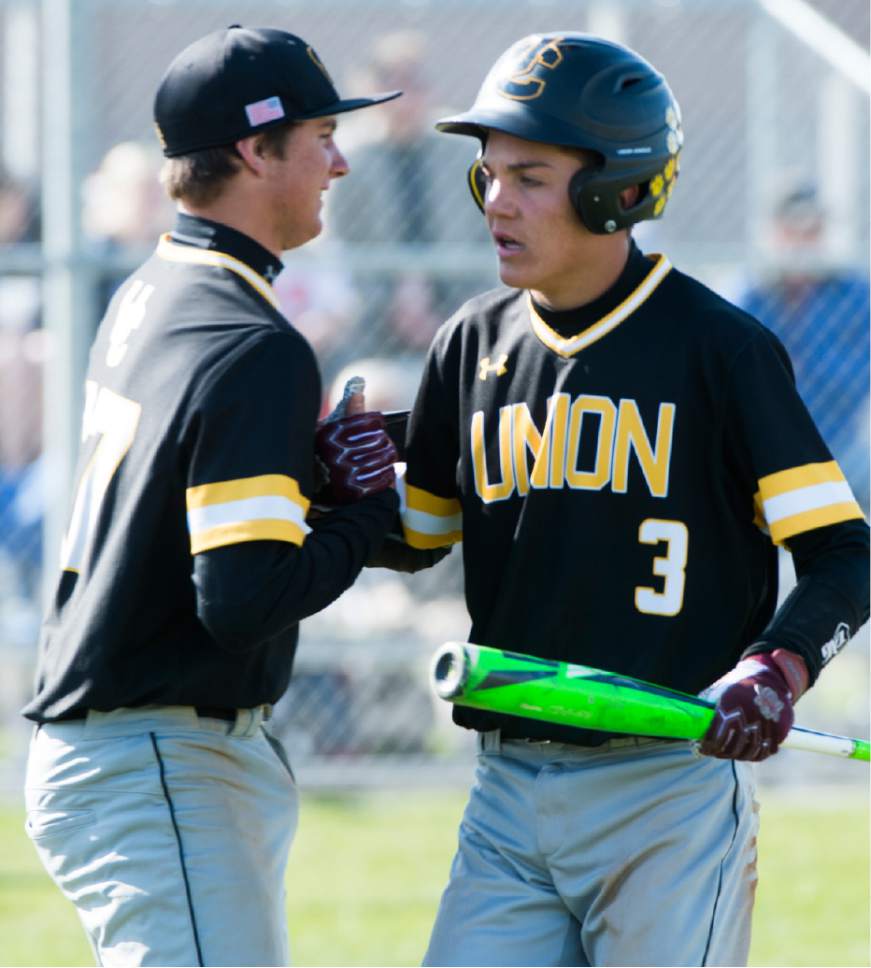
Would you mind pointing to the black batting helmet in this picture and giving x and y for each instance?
(580, 91)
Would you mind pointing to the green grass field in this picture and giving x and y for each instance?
(366, 873)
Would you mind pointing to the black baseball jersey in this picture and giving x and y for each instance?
(189, 559)
(619, 476)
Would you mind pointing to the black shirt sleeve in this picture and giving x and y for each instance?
(259, 563)
(802, 500)
(247, 593)
(830, 601)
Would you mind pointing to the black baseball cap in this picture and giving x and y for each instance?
(235, 82)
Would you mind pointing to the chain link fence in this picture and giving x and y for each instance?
(771, 210)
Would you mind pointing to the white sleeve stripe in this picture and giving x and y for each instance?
(248, 509)
(424, 523)
(803, 499)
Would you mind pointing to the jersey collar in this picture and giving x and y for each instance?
(201, 241)
(588, 324)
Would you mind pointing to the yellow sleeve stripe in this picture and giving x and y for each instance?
(265, 508)
(420, 500)
(425, 541)
(236, 532)
(429, 521)
(424, 523)
(796, 524)
(803, 498)
(266, 485)
(797, 477)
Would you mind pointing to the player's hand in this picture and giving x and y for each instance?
(356, 456)
(754, 706)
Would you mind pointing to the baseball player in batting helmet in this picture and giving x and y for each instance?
(621, 452)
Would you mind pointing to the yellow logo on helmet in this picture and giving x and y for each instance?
(521, 85)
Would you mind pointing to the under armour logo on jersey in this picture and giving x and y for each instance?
(485, 367)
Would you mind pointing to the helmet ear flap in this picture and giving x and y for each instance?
(596, 200)
(587, 194)
(477, 183)
(576, 187)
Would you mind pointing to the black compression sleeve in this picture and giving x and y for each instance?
(249, 592)
(830, 600)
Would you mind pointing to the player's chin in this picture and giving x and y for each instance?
(516, 276)
(316, 225)
(304, 233)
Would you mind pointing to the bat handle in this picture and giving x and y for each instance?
(813, 741)
(449, 670)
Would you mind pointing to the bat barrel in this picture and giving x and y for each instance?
(449, 670)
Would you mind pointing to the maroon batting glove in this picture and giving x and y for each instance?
(357, 457)
(754, 706)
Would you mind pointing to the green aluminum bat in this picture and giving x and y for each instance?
(577, 695)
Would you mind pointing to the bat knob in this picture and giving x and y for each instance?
(449, 670)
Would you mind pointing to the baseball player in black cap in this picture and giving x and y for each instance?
(156, 799)
(620, 451)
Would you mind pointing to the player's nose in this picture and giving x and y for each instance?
(497, 200)
(338, 164)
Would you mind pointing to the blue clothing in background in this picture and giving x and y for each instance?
(824, 323)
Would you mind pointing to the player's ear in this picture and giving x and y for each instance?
(630, 196)
(252, 152)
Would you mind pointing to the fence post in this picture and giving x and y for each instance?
(68, 280)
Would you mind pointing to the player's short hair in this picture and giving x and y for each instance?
(585, 156)
(201, 176)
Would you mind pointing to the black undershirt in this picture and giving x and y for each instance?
(570, 322)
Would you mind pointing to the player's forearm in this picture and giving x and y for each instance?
(830, 601)
(251, 592)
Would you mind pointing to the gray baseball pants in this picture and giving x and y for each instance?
(168, 831)
(639, 852)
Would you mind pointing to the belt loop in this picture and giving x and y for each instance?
(244, 721)
(490, 741)
(248, 721)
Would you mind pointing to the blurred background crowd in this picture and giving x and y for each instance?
(771, 210)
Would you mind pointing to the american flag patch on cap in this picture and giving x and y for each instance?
(260, 112)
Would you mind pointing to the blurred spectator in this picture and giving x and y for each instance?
(124, 211)
(319, 299)
(821, 315)
(22, 349)
(407, 186)
(19, 211)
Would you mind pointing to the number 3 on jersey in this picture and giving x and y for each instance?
(671, 567)
(113, 420)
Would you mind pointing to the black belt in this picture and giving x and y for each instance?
(210, 712)
(216, 712)
(521, 738)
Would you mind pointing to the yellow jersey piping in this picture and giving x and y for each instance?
(172, 251)
(569, 346)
